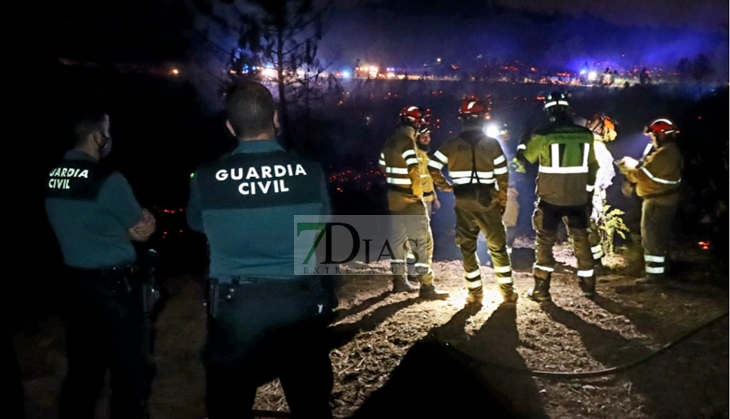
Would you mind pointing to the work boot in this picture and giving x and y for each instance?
(588, 285)
(429, 292)
(401, 284)
(541, 291)
(509, 293)
(475, 296)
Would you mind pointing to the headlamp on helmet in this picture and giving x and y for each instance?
(556, 100)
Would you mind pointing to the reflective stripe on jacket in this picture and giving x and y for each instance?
(567, 162)
(660, 176)
(426, 180)
(456, 154)
(399, 163)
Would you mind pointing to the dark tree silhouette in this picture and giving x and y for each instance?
(698, 69)
(280, 38)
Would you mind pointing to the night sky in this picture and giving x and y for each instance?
(160, 30)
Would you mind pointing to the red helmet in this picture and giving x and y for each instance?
(412, 115)
(425, 123)
(661, 126)
(472, 107)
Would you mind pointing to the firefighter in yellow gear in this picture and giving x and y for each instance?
(399, 163)
(478, 169)
(423, 142)
(657, 180)
(567, 175)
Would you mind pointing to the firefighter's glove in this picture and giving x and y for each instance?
(518, 165)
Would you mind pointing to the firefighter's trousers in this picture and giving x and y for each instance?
(411, 227)
(594, 238)
(656, 223)
(545, 221)
(468, 225)
(594, 233)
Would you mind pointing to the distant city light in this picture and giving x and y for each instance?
(438, 60)
(346, 74)
(592, 75)
(175, 71)
(268, 72)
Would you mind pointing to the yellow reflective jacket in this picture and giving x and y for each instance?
(399, 163)
(660, 176)
(477, 163)
(426, 179)
(567, 160)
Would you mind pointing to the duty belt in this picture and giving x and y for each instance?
(121, 279)
(266, 287)
(128, 268)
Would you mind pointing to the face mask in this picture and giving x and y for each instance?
(104, 146)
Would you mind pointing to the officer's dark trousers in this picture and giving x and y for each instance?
(105, 329)
(262, 331)
(12, 378)
(545, 221)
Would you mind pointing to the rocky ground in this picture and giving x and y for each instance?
(398, 356)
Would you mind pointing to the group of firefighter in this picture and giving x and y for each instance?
(575, 168)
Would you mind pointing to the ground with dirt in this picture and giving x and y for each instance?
(398, 356)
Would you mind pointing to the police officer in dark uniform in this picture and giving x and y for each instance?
(264, 320)
(95, 217)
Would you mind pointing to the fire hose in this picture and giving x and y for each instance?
(586, 374)
(551, 374)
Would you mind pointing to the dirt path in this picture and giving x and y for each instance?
(397, 356)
